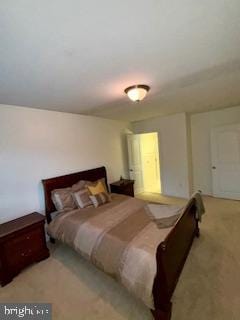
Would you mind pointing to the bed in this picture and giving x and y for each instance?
(146, 260)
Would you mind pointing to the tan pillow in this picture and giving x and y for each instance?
(97, 187)
(100, 199)
(62, 199)
(79, 185)
(82, 199)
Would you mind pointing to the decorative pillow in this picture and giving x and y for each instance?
(81, 184)
(99, 199)
(96, 187)
(82, 199)
(63, 200)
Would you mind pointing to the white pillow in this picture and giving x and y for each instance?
(82, 199)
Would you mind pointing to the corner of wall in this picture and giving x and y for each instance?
(189, 152)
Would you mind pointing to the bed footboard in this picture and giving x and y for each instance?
(171, 256)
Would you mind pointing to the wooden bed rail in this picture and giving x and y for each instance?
(171, 256)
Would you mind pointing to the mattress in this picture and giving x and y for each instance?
(120, 238)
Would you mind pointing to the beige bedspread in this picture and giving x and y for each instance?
(119, 238)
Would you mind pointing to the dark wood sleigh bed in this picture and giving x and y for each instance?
(171, 253)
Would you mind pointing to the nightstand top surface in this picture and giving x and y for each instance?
(122, 182)
(20, 223)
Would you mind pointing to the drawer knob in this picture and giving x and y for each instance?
(28, 237)
(23, 254)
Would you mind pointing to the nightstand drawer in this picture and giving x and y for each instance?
(128, 190)
(22, 242)
(23, 247)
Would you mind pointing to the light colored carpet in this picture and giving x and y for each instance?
(209, 287)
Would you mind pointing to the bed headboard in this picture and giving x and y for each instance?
(67, 181)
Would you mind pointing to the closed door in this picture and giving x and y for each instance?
(134, 159)
(225, 148)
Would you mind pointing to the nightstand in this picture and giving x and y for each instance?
(22, 242)
(123, 186)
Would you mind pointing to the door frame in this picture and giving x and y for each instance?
(140, 188)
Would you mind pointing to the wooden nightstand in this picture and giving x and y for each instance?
(22, 242)
(123, 186)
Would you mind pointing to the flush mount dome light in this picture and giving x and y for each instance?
(138, 92)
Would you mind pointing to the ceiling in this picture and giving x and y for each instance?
(79, 56)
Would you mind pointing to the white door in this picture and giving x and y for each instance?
(134, 160)
(225, 147)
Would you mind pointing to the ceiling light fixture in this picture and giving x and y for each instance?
(138, 92)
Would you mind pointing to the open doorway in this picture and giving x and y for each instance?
(150, 162)
(144, 162)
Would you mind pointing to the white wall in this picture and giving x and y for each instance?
(37, 144)
(201, 125)
(173, 149)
